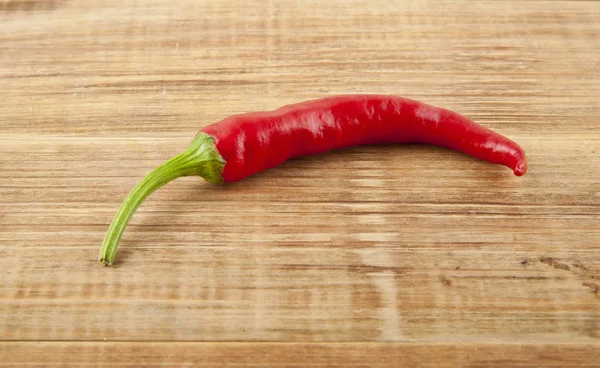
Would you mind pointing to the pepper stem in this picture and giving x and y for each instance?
(201, 158)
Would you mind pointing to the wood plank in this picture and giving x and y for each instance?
(294, 294)
(111, 354)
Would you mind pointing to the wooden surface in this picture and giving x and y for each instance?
(371, 256)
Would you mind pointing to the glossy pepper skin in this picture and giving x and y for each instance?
(253, 142)
(243, 145)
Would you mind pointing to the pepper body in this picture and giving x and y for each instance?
(253, 142)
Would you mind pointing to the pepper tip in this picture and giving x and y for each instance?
(521, 168)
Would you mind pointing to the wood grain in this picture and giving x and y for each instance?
(174, 354)
(369, 256)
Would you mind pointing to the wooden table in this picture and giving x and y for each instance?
(371, 256)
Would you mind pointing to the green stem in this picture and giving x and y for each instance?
(201, 158)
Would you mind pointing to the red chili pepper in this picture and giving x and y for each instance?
(243, 145)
